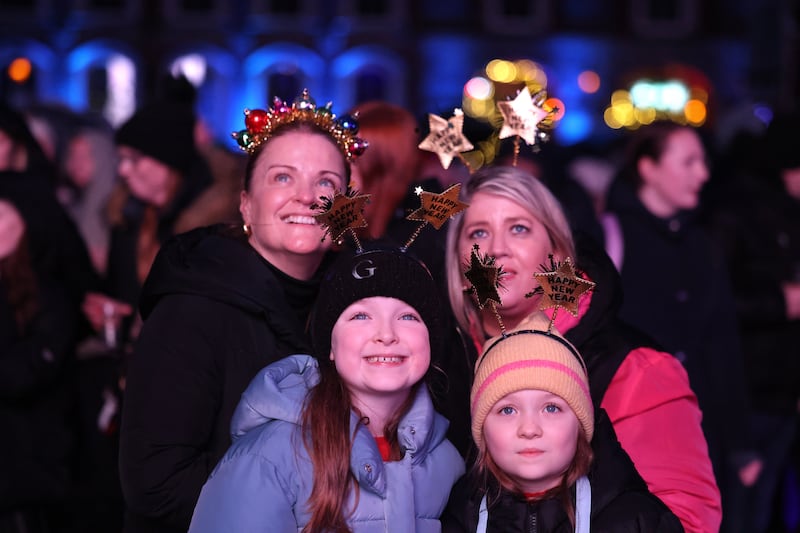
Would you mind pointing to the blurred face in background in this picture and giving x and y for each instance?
(292, 172)
(673, 182)
(148, 179)
(12, 156)
(791, 180)
(12, 227)
(80, 164)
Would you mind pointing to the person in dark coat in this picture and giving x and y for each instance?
(676, 286)
(220, 304)
(26, 179)
(532, 421)
(38, 329)
(758, 226)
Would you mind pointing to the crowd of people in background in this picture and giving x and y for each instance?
(171, 308)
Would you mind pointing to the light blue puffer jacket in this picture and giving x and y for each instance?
(263, 482)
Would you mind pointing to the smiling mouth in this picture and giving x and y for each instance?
(300, 219)
(385, 359)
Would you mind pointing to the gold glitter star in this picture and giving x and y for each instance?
(521, 117)
(446, 138)
(438, 207)
(343, 212)
(484, 275)
(562, 287)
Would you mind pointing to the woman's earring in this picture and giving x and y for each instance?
(247, 229)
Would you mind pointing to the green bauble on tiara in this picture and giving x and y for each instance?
(261, 124)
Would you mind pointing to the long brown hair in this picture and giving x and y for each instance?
(327, 437)
(486, 470)
(18, 275)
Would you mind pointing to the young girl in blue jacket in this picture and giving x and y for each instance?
(348, 441)
(532, 422)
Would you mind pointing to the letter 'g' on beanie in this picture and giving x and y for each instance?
(530, 357)
(387, 272)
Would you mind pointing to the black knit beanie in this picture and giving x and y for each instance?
(385, 272)
(163, 131)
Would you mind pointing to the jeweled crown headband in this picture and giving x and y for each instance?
(261, 124)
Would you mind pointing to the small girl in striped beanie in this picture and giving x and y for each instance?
(533, 421)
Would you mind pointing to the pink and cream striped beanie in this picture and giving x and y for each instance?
(530, 357)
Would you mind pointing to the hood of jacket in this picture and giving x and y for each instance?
(605, 299)
(278, 393)
(208, 262)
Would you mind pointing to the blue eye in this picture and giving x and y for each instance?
(477, 234)
(519, 228)
(282, 178)
(359, 316)
(410, 316)
(507, 410)
(552, 408)
(328, 183)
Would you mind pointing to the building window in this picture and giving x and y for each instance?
(97, 84)
(106, 4)
(374, 15)
(197, 5)
(18, 4)
(664, 18)
(284, 7)
(519, 17)
(370, 85)
(517, 8)
(372, 8)
(284, 85)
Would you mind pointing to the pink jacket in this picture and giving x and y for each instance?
(657, 420)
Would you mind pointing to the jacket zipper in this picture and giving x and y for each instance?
(532, 526)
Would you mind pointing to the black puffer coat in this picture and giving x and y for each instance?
(215, 313)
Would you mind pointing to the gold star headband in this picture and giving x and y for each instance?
(261, 124)
(446, 138)
(560, 287)
(484, 275)
(435, 209)
(342, 213)
(525, 117)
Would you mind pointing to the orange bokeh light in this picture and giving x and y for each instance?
(558, 105)
(20, 70)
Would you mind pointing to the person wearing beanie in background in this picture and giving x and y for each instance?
(532, 421)
(161, 174)
(348, 441)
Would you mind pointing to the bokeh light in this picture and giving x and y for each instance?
(589, 81)
(649, 100)
(20, 70)
(479, 88)
(501, 71)
(556, 105)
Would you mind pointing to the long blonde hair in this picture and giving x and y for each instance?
(527, 191)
